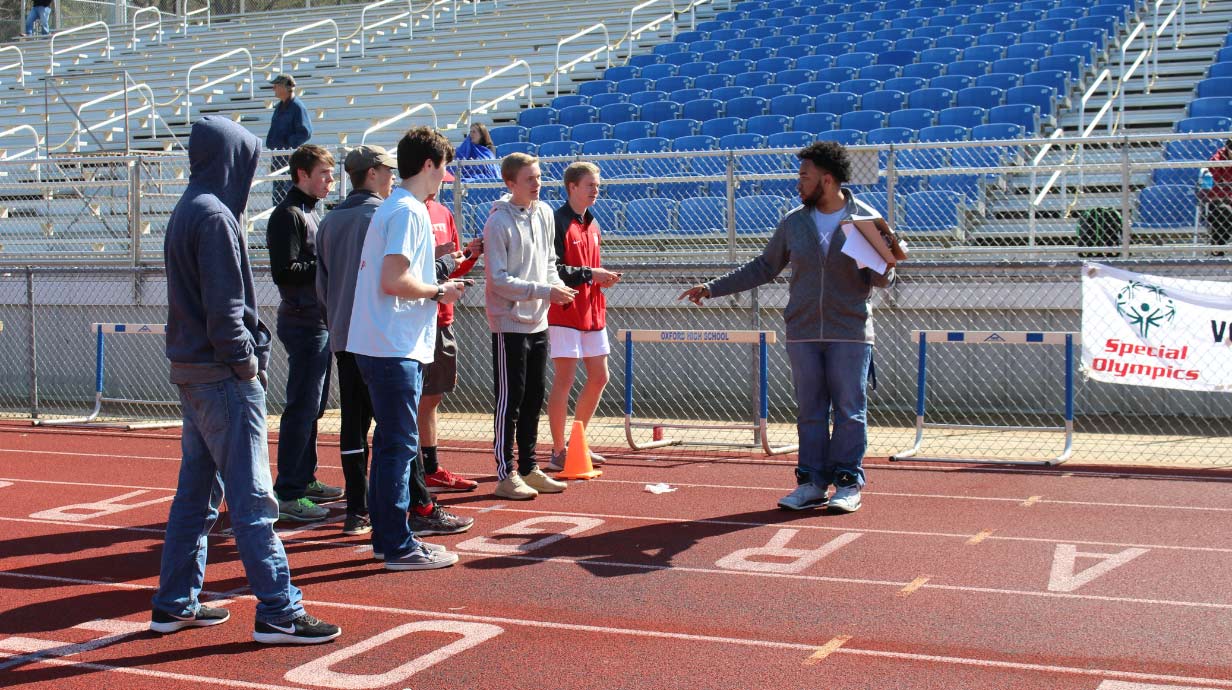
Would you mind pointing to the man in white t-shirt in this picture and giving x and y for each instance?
(393, 335)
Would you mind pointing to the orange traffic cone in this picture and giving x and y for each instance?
(577, 459)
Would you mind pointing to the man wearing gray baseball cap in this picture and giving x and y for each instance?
(290, 127)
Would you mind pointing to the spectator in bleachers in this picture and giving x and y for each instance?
(291, 237)
(290, 127)
(520, 267)
(478, 146)
(829, 326)
(578, 331)
(1218, 196)
(392, 334)
(340, 241)
(441, 376)
(39, 17)
(219, 351)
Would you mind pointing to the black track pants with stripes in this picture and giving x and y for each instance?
(519, 365)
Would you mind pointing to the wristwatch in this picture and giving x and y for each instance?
(440, 292)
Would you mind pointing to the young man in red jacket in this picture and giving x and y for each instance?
(578, 330)
(441, 376)
(1218, 197)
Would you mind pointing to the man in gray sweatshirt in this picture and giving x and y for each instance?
(829, 326)
(521, 280)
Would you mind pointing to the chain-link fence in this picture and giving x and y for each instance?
(48, 352)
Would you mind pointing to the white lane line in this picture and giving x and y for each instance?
(827, 649)
(1119, 685)
(733, 641)
(165, 675)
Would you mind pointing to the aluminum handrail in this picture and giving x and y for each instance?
(1159, 29)
(158, 22)
(397, 118)
(282, 42)
(692, 10)
(189, 89)
(105, 40)
(1145, 54)
(1084, 129)
(607, 46)
(20, 64)
(654, 23)
(209, 17)
(123, 93)
(364, 26)
(22, 128)
(1039, 198)
(470, 95)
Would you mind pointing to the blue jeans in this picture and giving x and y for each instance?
(825, 376)
(308, 363)
(394, 384)
(224, 452)
(40, 16)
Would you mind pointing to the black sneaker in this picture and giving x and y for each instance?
(439, 521)
(356, 524)
(161, 622)
(302, 630)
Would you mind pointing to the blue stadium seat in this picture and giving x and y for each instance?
(542, 134)
(791, 105)
(980, 96)
(686, 95)
(700, 142)
(1218, 106)
(904, 84)
(955, 41)
(508, 133)
(814, 89)
(1214, 87)
(711, 82)
(533, 117)
(702, 109)
(793, 77)
(1181, 176)
(703, 215)
(1083, 49)
(899, 58)
(834, 50)
(648, 145)
(589, 131)
(922, 159)
(852, 37)
(1204, 124)
(912, 118)
(634, 129)
(987, 54)
(932, 211)
(659, 111)
(732, 142)
(879, 72)
(862, 120)
(931, 98)
(1055, 79)
(600, 100)
(634, 85)
(963, 117)
(814, 123)
(889, 135)
(553, 170)
(734, 67)
(953, 82)
(617, 113)
(1032, 51)
(846, 137)
(771, 91)
(677, 46)
(774, 64)
(757, 215)
(930, 32)
(767, 124)
(569, 99)
(969, 187)
(859, 86)
(795, 52)
(747, 106)
(872, 45)
(599, 147)
(509, 147)
(855, 60)
(837, 75)
(1223, 54)
(1012, 26)
(1044, 98)
(1097, 38)
(944, 133)
(718, 55)
(970, 68)
(924, 70)
(1044, 36)
(894, 35)
(674, 129)
(946, 20)
(656, 72)
(696, 70)
(839, 102)
(1219, 69)
(590, 88)
(730, 93)
(997, 130)
(648, 216)
(753, 53)
(721, 127)
(883, 100)
(617, 73)
(791, 139)
(1024, 114)
(914, 44)
(1191, 150)
(816, 62)
(752, 80)
(609, 213)
(943, 56)
(641, 98)
(999, 80)
(1166, 207)
(1015, 66)
(576, 115)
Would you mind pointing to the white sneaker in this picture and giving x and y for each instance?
(421, 558)
(514, 488)
(542, 483)
(807, 495)
(846, 498)
(436, 548)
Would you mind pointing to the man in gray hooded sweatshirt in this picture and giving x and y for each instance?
(219, 351)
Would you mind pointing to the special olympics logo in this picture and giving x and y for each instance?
(1145, 307)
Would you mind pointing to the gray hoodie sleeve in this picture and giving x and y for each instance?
(219, 263)
(322, 279)
(496, 248)
(758, 271)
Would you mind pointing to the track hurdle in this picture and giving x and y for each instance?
(1067, 339)
(99, 330)
(703, 337)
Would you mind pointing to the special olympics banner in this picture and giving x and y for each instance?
(1156, 331)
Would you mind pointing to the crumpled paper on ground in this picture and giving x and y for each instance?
(660, 488)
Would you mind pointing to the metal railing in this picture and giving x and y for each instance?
(6, 156)
(189, 89)
(653, 23)
(1124, 75)
(282, 42)
(586, 57)
(398, 118)
(105, 40)
(364, 26)
(150, 107)
(156, 24)
(1037, 198)
(20, 64)
(471, 110)
(1178, 6)
(189, 14)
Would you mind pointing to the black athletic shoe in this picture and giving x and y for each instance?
(439, 521)
(302, 630)
(161, 622)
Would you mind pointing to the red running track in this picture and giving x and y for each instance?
(949, 577)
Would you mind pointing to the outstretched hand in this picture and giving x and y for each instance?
(695, 294)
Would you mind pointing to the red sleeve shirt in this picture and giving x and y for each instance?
(444, 231)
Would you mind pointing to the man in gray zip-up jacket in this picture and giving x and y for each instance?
(521, 280)
(829, 326)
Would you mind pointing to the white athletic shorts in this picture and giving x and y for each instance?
(570, 343)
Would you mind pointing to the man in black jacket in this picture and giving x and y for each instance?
(291, 238)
